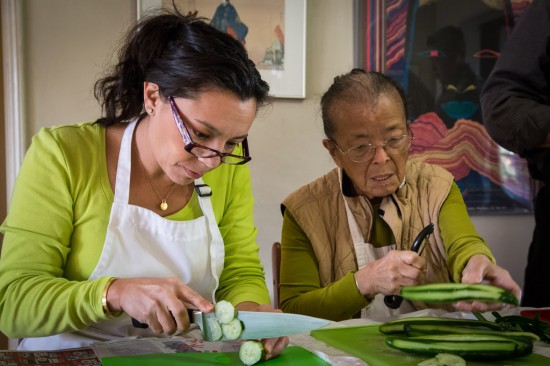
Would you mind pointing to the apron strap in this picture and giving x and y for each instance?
(217, 250)
(122, 184)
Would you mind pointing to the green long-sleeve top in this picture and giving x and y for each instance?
(301, 290)
(56, 227)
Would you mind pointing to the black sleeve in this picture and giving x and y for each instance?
(515, 100)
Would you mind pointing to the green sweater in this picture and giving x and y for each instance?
(56, 227)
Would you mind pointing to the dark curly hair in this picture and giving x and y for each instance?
(184, 56)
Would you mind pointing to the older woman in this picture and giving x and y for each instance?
(340, 232)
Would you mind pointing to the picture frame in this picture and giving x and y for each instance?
(440, 52)
(287, 76)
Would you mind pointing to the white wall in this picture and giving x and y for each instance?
(68, 42)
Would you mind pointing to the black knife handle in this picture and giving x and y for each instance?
(137, 324)
(394, 301)
(424, 233)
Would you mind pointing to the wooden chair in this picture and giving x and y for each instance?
(276, 271)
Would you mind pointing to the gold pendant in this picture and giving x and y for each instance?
(163, 205)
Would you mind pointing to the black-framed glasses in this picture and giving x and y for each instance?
(201, 151)
(365, 152)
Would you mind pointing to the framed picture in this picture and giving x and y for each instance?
(440, 52)
(273, 32)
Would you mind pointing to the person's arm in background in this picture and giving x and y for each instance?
(469, 259)
(515, 99)
(301, 290)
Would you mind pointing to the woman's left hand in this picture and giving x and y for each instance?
(273, 347)
(480, 269)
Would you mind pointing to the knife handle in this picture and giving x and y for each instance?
(394, 301)
(137, 324)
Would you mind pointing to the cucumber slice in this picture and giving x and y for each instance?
(443, 359)
(233, 329)
(447, 359)
(429, 362)
(224, 311)
(251, 352)
(214, 329)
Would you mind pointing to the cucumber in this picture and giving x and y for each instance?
(251, 352)
(413, 330)
(467, 346)
(443, 359)
(233, 329)
(429, 362)
(397, 326)
(214, 329)
(224, 311)
(447, 359)
(453, 292)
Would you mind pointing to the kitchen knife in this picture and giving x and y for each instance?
(256, 324)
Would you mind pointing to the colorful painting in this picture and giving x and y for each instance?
(259, 25)
(272, 31)
(441, 51)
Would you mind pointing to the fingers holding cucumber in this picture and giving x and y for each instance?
(480, 269)
(475, 296)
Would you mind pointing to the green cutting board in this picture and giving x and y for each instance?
(292, 355)
(367, 343)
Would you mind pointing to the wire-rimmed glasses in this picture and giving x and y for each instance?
(201, 151)
(365, 152)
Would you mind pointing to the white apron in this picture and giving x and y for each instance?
(367, 253)
(140, 243)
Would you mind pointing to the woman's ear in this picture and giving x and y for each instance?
(151, 96)
(333, 150)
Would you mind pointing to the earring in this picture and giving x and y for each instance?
(149, 110)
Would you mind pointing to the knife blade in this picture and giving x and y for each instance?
(260, 325)
(257, 325)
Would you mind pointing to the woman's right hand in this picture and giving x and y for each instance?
(388, 274)
(158, 302)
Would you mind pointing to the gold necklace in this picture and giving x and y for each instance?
(163, 203)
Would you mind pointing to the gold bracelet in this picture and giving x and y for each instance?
(104, 304)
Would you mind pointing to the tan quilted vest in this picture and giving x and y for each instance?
(319, 210)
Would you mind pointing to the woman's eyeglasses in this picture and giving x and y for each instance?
(201, 151)
(365, 152)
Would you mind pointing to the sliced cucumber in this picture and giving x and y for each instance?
(251, 352)
(224, 311)
(429, 362)
(413, 330)
(214, 329)
(467, 346)
(233, 329)
(447, 359)
(397, 326)
(453, 292)
(443, 359)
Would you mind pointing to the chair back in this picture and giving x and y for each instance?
(276, 271)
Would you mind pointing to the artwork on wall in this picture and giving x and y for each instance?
(440, 52)
(273, 32)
